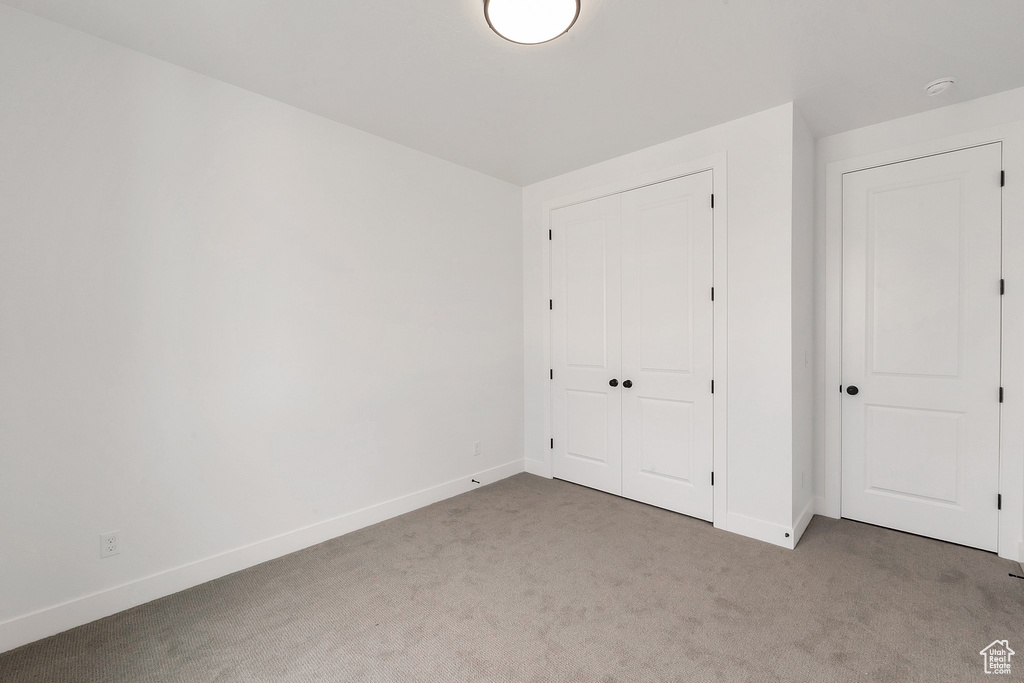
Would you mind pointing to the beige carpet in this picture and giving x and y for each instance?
(537, 580)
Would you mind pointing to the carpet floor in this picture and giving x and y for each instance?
(536, 580)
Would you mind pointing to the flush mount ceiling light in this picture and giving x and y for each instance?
(530, 22)
(939, 86)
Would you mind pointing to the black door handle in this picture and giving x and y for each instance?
(628, 384)
(852, 390)
(613, 383)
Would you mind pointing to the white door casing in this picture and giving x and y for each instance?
(667, 345)
(585, 337)
(921, 342)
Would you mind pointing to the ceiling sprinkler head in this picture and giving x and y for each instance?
(939, 86)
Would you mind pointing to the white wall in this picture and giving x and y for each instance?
(804, 386)
(222, 320)
(997, 117)
(759, 382)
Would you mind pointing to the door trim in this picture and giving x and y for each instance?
(1011, 430)
(717, 164)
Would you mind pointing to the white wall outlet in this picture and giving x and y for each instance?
(110, 544)
(476, 448)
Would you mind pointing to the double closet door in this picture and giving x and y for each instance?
(632, 340)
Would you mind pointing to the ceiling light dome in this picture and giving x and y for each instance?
(530, 22)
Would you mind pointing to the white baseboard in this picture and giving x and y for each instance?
(538, 468)
(803, 520)
(52, 620)
(769, 532)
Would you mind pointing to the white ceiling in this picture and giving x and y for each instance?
(431, 75)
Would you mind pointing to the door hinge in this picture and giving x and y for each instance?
(1002, 286)
(1000, 394)
(712, 201)
(552, 374)
(549, 235)
(1002, 179)
(712, 478)
(552, 443)
(551, 304)
(999, 501)
(712, 293)
(712, 386)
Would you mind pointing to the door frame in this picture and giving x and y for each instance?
(1011, 429)
(717, 165)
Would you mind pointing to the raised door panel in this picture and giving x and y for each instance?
(666, 439)
(585, 303)
(903, 443)
(664, 251)
(586, 425)
(915, 267)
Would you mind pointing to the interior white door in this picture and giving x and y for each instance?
(585, 336)
(921, 345)
(667, 345)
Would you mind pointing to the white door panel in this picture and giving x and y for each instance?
(667, 345)
(921, 342)
(585, 336)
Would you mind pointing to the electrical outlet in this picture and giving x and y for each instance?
(476, 448)
(110, 544)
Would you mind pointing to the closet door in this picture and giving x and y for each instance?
(586, 354)
(667, 345)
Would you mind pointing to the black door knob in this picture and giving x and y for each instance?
(628, 384)
(852, 390)
(613, 383)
